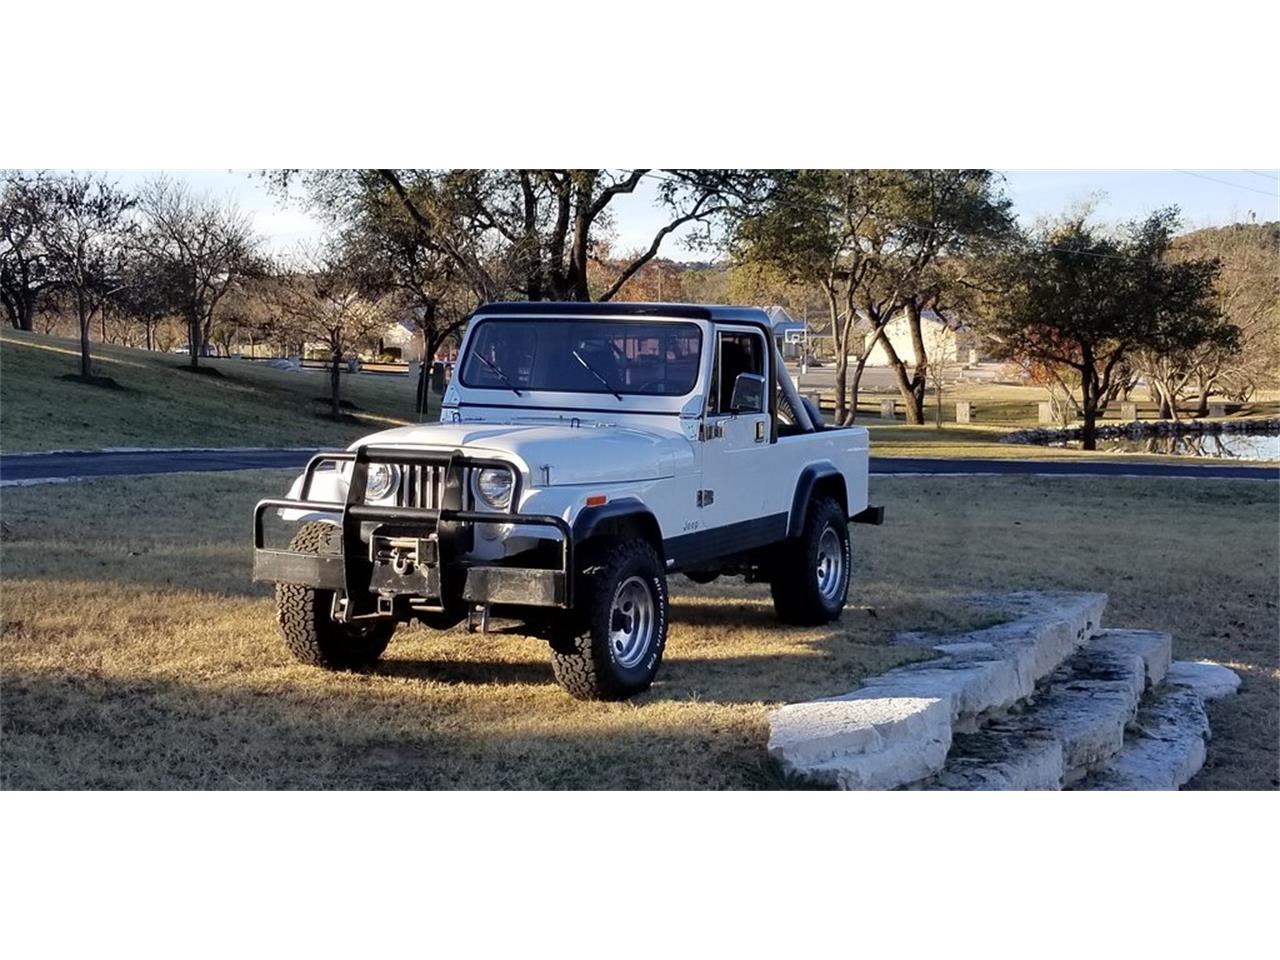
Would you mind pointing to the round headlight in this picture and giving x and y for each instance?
(382, 481)
(494, 486)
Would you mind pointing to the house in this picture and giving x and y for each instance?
(946, 342)
(788, 334)
(402, 341)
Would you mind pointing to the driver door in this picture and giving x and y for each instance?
(736, 496)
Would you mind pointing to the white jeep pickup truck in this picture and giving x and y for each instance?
(585, 451)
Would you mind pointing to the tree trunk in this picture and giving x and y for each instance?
(86, 363)
(853, 389)
(912, 387)
(1089, 412)
(335, 383)
(1202, 406)
(430, 345)
(25, 319)
(842, 375)
(193, 340)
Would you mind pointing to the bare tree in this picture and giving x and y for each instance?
(202, 247)
(400, 260)
(85, 240)
(324, 295)
(1248, 297)
(26, 206)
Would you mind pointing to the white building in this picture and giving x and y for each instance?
(946, 343)
(401, 340)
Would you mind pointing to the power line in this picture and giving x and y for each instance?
(1228, 183)
(1259, 173)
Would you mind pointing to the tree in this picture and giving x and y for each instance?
(808, 233)
(530, 234)
(1248, 297)
(948, 221)
(880, 244)
(25, 209)
(146, 294)
(324, 294)
(201, 247)
(247, 311)
(400, 260)
(1086, 303)
(85, 240)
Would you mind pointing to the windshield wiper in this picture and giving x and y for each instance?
(494, 367)
(596, 373)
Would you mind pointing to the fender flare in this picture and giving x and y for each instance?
(805, 485)
(590, 519)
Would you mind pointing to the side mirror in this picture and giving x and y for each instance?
(748, 394)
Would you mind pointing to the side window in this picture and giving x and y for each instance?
(735, 353)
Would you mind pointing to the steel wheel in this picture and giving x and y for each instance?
(632, 622)
(830, 565)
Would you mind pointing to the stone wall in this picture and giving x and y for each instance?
(1143, 428)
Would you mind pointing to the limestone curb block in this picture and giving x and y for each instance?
(996, 667)
(1002, 757)
(1209, 680)
(1155, 649)
(1165, 747)
(872, 743)
(1073, 725)
(1088, 709)
(887, 769)
(897, 729)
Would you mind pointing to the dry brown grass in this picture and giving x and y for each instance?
(136, 654)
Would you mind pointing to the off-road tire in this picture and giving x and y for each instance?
(584, 660)
(304, 615)
(797, 596)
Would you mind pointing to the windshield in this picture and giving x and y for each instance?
(584, 356)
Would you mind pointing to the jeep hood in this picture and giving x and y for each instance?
(576, 455)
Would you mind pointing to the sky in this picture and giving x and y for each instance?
(1206, 198)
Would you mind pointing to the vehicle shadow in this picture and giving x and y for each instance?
(728, 651)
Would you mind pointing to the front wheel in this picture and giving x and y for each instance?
(810, 580)
(612, 647)
(306, 621)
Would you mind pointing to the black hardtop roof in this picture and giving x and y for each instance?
(683, 311)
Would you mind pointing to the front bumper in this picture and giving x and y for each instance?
(414, 552)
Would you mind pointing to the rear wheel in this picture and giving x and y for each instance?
(611, 647)
(810, 580)
(305, 615)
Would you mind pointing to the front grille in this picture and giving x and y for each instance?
(421, 486)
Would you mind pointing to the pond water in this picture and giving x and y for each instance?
(1229, 446)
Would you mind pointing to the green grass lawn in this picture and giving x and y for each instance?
(135, 652)
(159, 404)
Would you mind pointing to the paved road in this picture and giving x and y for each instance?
(63, 466)
(60, 466)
